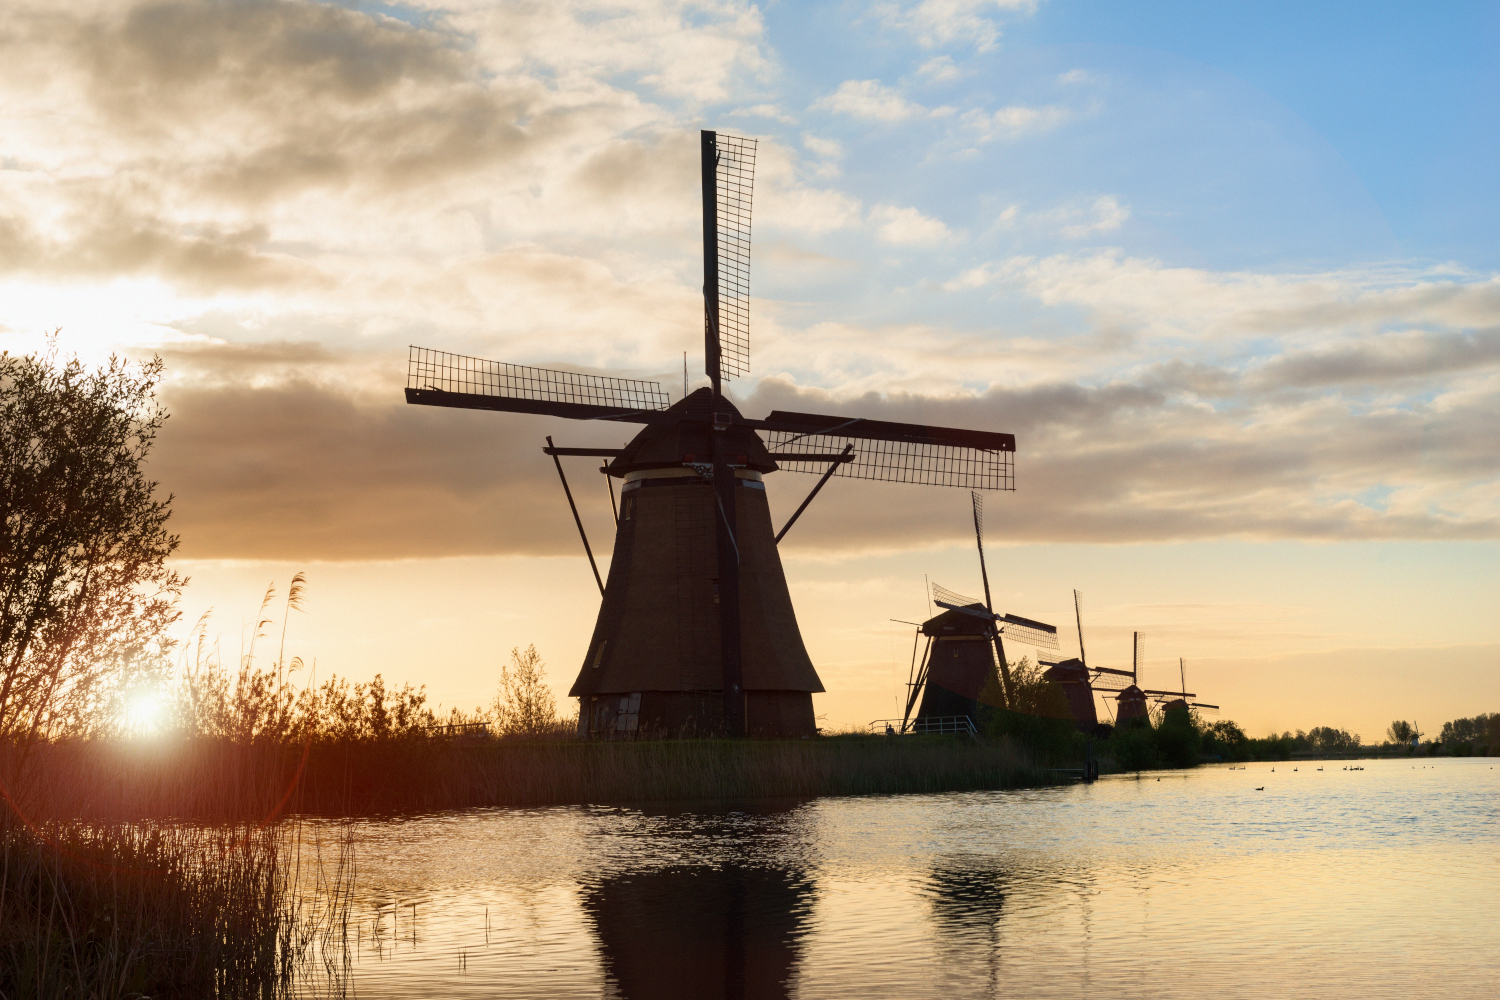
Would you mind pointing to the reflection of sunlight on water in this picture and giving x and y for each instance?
(1189, 886)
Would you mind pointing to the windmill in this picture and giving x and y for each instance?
(1084, 682)
(1178, 700)
(696, 630)
(1073, 677)
(963, 668)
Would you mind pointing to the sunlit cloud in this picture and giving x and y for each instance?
(1008, 122)
(907, 226)
(873, 100)
(945, 22)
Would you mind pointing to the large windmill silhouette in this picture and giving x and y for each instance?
(696, 631)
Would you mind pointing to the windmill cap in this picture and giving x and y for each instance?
(690, 438)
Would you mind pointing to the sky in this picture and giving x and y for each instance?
(1226, 271)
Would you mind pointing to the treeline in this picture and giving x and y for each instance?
(1475, 737)
(1478, 736)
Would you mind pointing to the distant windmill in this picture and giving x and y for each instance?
(1170, 700)
(696, 630)
(1107, 679)
(963, 667)
(1073, 677)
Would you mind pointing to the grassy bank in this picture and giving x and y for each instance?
(111, 780)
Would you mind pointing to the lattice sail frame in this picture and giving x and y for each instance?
(458, 373)
(1012, 627)
(924, 463)
(1109, 682)
(942, 595)
(734, 180)
(1025, 630)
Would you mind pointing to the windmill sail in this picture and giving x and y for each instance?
(437, 378)
(728, 183)
(893, 452)
(1033, 633)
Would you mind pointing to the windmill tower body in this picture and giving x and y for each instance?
(654, 662)
(1073, 677)
(1131, 704)
(961, 675)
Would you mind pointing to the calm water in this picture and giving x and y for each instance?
(1332, 883)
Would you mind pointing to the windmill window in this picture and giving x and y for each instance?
(599, 656)
(628, 720)
(627, 508)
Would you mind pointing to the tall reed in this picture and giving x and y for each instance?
(92, 905)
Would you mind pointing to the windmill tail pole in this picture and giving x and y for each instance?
(576, 519)
(843, 457)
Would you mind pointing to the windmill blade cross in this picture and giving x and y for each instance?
(438, 378)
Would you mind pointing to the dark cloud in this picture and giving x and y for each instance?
(107, 241)
(1392, 357)
(309, 471)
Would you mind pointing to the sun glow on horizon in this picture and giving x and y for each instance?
(144, 712)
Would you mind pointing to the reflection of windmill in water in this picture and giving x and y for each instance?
(696, 628)
(703, 932)
(967, 901)
(963, 671)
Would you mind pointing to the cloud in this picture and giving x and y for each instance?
(828, 151)
(1401, 356)
(1198, 305)
(285, 451)
(1075, 76)
(870, 99)
(281, 196)
(940, 69)
(769, 111)
(1108, 215)
(945, 22)
(1009, 122)
(907, 226)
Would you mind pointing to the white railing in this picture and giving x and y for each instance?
(927, 725)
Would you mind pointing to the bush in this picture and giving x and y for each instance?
(1177, 739)
(1048, 740)
(1134, 748)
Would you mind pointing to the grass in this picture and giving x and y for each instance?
(212, 780)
